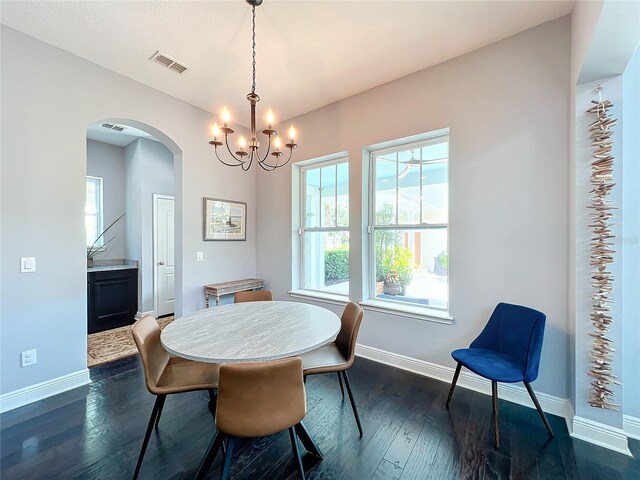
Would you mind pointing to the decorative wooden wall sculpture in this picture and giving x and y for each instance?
(601, 254)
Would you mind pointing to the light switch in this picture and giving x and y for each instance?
(27, 264)
(199, 256)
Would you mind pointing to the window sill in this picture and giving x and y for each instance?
(320, 296)
(419, 313)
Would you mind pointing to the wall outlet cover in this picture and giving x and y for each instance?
(28, 357)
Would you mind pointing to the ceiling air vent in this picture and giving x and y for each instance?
(117, 128)
(167, 61)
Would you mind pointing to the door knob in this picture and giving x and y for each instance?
(160, 263)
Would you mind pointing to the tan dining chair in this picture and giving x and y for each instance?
(166, 375)
(338, 356)
(257, 399)
(253, 296)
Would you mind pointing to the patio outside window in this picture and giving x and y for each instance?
(408, 240)
(325, 232)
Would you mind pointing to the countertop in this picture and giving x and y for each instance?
(105, 268)
(108, 265)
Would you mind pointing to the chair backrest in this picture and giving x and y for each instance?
(260, 398)
(350, 326)
(146, 334)
(516, 331)
(253, 296)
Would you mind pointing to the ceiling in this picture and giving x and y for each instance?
(309, 53)
(121, 139)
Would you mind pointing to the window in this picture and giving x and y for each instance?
(325, 227)
(93, 211)
(408, 241)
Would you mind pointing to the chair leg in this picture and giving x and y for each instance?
(212, 401)
(353, 403)
(227, 458)
(145, 442)
(494, 396)
(453, 384)
(341, 386)
(209, 457)
(162, 398)
(540, 412)
(296, 452)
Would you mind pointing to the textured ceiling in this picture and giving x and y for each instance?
(309, 54)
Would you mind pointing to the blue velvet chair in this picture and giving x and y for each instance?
(507, 350)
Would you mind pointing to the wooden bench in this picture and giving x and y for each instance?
(233, 286)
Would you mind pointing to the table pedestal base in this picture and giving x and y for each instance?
(306, 440)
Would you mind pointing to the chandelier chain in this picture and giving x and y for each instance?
(253, 85)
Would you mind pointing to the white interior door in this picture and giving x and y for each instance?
(164, 258)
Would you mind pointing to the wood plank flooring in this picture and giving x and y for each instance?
(95, 432)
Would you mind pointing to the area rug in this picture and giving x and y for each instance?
(114, 344)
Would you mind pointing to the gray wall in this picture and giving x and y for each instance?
(107, 161)
(42, 188)
(507, 107)
(631, 235)
(149, 170)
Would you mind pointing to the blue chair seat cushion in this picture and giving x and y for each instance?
(490, 364)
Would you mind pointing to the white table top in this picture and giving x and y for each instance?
(251, 331)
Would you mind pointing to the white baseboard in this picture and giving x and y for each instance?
(600, 434)
(631, 426)
(139, 315)
(511, 392)
(33, 393)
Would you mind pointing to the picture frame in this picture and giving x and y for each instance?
(224, 220)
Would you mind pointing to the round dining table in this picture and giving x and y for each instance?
(250, 332)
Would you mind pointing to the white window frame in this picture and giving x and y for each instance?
(99, 181)
(303, 229)
(399, 306)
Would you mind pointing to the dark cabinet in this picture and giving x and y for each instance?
(112, 298)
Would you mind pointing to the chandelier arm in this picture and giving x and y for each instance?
(239, 160)
(266, 155)
(266, 167)
(251, 158)
(239, 164)
(289, 158)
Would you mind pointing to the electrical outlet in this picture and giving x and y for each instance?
(28, 357)
(199, 256)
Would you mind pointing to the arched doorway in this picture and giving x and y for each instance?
(134, 175)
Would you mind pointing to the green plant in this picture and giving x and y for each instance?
(398, 266)
(336, 265)
(443, 260)
(385, 241)
(394, 263)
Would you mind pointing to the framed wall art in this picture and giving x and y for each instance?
(224, 219)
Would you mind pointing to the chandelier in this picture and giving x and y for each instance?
(249, 151)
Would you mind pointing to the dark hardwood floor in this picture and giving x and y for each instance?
(95, 432)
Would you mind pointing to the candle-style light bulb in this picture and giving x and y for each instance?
(269, 118)
(277, 143)
(292, 133)
(215, 130)
(226, 116)
(242, 142)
